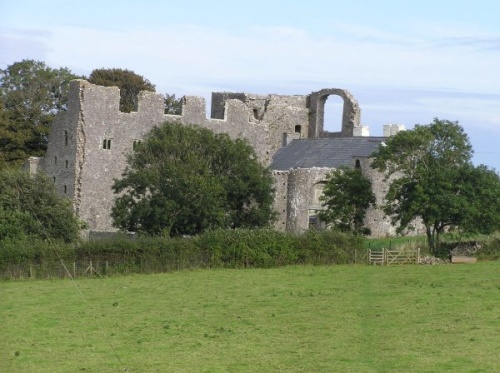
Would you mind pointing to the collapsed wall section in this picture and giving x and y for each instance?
(280, 114)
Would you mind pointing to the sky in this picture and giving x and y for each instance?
(406, 62)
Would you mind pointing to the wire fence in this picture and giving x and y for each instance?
(88, 269)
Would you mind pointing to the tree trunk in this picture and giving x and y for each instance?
(430, 239)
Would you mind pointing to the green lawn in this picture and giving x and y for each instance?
(294, 319)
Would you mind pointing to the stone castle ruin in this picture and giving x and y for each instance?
(88, 144)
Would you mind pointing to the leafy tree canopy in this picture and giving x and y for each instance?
(31, 95)
(130, 84)
(436, 181)
(173, 105)
(346, 197)
(182, 180)
(30, 207)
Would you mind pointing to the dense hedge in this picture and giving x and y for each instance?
(30, 250)
(243, 248)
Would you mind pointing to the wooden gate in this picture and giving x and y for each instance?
(387, 256)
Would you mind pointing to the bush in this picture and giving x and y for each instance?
(244, 248)
(240, 248)
(490, 248)
(30, 207)
(328, 247)
(29, 250)
(143, 254)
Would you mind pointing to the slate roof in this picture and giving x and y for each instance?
(324, 152)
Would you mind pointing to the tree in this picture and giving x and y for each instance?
(183, 180)
(12, 140)
(30, 206)
(31, 94)
(173, 105)
(347, 196)
(480, 190)
(436, 182)
(130, 84)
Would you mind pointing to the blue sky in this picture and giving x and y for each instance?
(406, 62)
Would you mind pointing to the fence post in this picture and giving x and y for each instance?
(418, 255)
(31, 271)
(74, 269)
(91, 269)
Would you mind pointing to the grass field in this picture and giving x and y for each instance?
(293, 319)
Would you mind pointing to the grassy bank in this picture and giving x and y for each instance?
(290, 319)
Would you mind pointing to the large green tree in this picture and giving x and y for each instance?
(31, 93)
(30, 207)
(436, 182)
(130, 84)
(346, 197)
(182, 180)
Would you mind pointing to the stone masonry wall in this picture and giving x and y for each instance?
(300, 196)
(89, 142)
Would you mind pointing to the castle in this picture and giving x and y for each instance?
(88, 143)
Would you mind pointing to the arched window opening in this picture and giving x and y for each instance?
(333, 112)
(357, 165)
(316, 206)
(106, 144)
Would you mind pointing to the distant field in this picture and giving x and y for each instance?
(293, 319)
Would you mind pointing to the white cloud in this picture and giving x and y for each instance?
(195, 60)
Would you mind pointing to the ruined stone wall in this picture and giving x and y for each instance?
(295, 199)
(60, 161)
(351, 114)
(89, 142)
(280, 114)
(280, 199)
(300, 196)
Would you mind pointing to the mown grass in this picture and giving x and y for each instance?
(291, 319)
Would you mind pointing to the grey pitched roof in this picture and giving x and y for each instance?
(324, 152)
